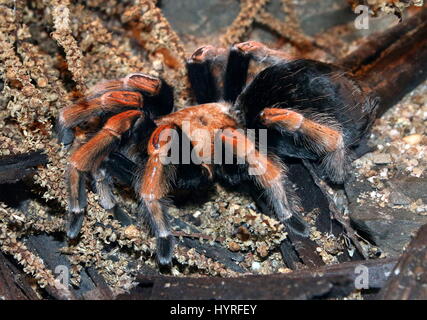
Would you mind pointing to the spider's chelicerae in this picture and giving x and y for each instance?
(309, 110)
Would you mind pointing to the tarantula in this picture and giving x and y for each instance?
(309, 109)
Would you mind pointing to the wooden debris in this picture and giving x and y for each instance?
(408, 280)
(375, 44)
(326, 282)
(389, 68)
(14, 284)
(15, 167)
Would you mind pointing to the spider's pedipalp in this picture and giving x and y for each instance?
(269, 175)
(326, 140)
(140, 82)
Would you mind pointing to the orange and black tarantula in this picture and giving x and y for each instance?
(308, 109)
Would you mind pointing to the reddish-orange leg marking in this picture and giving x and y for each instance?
(206, 53)
(321, 138)
(154, 185)
(262, 53)
(109, 96)
(268, 174)
(88, 158)
(112, 101)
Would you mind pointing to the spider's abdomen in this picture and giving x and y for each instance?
(312, 88)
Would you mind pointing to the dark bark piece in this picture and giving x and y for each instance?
(336, 214)
(306, 249)
(15, 167)
(326, 282)
(215, 251)
(289, 254)
(47, 248)
(102, 290)
(376, 43)
(408, 280)
(14, 284)
(400, 67)
(393, 233)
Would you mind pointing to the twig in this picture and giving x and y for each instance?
(63, 35)
(336, 214)
(248, 12)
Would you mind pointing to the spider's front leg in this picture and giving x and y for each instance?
(87, 159)
(269, 174)
(321, 136)
(262, 53)
(114, 96)
(203, 68)
(153, 186)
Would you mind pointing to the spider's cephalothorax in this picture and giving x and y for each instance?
(310, 109)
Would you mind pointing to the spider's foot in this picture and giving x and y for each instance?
(165, 247)
(206, 53)
(65, 135)
(74, 224)
(298, 225)
(252, 48)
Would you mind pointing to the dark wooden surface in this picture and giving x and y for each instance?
(408, 280)
(325, 282)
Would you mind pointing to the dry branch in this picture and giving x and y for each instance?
(408, 280)
(325, 282)
(249, 10)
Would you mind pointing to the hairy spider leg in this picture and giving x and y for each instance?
(115, 96)
(153, 185)
(87, 159)
(326, 140)
(269, 175)
(238, 64)
(201, 67)
(201, 64)
(236, 73)
(262, 53)
(110, 101)
(201, 71)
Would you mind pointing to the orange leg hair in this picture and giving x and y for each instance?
(88, 158)
(209, 52)
(154, 184)
(268, 174)
(261, 52)
(108, 96)
(112, 101)
(321, 138)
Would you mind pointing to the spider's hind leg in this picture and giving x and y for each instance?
(269, 175)
(324, 137)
